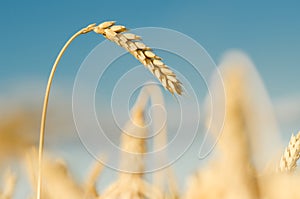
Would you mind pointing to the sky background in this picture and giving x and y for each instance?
(33, 32)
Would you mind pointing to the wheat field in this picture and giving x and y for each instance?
(232, 172)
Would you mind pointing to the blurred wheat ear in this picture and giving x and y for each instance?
(9, 182)
(128, 41)
(232, 174)
(60, 183)
(288, 161)
(130, 183)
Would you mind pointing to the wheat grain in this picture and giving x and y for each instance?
(288, 161)
(132, 43)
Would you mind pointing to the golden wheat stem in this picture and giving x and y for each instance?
(131, 43)
(45, 105)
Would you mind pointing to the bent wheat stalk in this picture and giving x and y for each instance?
(288, 161)
(131, 43)
(45, 105)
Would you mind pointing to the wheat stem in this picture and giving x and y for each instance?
(45, 105)
(131, 43)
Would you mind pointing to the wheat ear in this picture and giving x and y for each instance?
(131, 183)
(132, 43)
(128, 41)
(288, 161)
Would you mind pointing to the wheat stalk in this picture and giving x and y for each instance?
(288, 161)
(132, 43)
(128, 41)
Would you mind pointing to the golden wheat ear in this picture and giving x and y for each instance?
(128, 41)
(132, 43)
(288, 161)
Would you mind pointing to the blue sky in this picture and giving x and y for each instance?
(34, 31)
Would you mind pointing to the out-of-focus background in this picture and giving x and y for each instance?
(33, 32)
